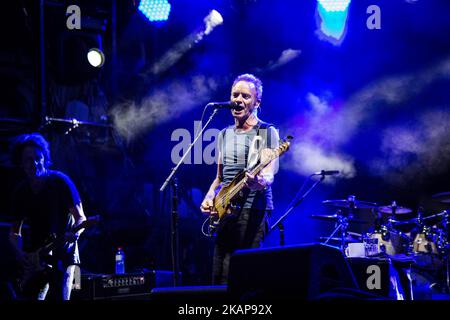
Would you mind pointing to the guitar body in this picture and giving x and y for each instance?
(40, 261)
(223, 200)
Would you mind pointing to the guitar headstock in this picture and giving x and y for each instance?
(284, 145)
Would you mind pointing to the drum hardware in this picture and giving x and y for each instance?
(386, 241)
(335, 217)
(351, 237)
(426, 249)
(395, 223)
(350, 203)
(394, 209)
(343, 219)
(443, 214)
(342, 225)
(442, 197)
(336, 239)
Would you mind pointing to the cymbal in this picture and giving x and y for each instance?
(335, 217)
(398, 210)
(346, 204)
(337, 239)
(443, 197)
(440, 214)
(404, 222)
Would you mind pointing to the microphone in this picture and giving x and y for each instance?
(224, 105)
(326, 172)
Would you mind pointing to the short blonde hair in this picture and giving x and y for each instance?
(251, 78)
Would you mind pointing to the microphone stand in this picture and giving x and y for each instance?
(297, 200)
(75, 123)
(174, 216)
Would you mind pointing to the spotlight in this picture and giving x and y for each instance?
(155, 10)
(96, 58)
(331, 18)
(212, 20)
(334, 5)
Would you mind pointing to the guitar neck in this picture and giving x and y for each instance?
(60, 241)
(276, 153)
(240, 185)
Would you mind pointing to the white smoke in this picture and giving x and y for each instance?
(307, 158)
(327, 130)
(411, 153)
(315, 149)
(162, 105)
(286, 56)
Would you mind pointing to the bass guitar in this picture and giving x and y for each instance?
(39, 260)
(223, 201)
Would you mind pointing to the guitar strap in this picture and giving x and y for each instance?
(264, 126)
(266, 137)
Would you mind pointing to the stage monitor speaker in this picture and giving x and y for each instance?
(300, 272)
(363, 270)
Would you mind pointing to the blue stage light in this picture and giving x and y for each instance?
(332, 19)
(155, 10)
(334, 5)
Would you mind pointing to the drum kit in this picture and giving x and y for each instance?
(423, 240)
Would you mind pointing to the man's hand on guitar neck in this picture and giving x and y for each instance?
(265, 177)
(255, 182)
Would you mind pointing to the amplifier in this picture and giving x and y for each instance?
(115, 286)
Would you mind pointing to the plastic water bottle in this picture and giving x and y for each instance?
(120, 261)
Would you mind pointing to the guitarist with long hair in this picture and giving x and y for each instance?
(48, 201)
(240, 148)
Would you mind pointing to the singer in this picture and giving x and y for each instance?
(238, 150)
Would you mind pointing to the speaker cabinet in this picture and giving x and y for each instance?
(372, 275)
(289, 272)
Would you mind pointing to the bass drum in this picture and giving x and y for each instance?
(390, 242)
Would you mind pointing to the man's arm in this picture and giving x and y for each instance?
(78, 214)
(15, 234)
(15, 239)
(207, 203)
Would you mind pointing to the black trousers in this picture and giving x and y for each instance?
(236, 231)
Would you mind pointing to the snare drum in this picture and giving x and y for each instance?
(388, 241)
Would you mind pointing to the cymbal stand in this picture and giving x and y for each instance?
(342, 225)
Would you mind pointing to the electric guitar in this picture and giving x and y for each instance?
(222, 202)
(40, 259)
